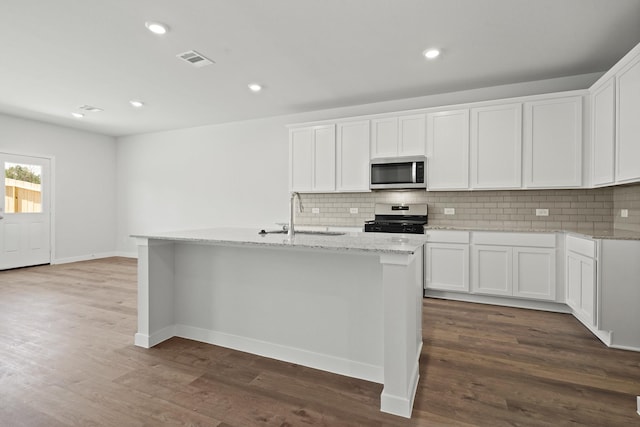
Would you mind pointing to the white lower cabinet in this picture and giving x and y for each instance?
(581, 287)
(580, 278)
(519, 265)
(447, 261)
(492, 270)
(534, 273)
(492, 263)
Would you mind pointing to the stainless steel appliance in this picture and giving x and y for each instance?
(398, 173)
(399, 218)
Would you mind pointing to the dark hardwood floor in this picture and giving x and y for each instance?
(67, 359)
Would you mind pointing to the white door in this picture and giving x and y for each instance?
(352, 156)
(492, 270)
(603, 134)
(384, 137)
(628, 125)
(496, 146)
(411, 138)
(25, 223)
(448, 150)
(534, 273)
(447, 267)
(553, 143)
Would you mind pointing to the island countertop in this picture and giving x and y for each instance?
(378, 243)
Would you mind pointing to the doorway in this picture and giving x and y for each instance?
(25, 211)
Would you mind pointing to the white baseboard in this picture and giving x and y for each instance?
(298, 356)
(84, 258)
(555, 307)
(127, 254)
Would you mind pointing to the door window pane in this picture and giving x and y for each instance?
(23, 188)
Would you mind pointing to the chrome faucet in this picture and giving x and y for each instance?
(292, 204)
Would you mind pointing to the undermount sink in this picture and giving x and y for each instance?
(316, 233)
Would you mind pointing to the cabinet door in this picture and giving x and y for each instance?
(496, 146)
(534, 273)
(384, 137)
(448, 150)
(628, 123)
(352, 157)
(412, 135)
(492, 270)
(581, 287)
(573, 272)
(301, 159)
(588, 294)
(324, 156)
(553, 143)
(603, 134)
(447, 267)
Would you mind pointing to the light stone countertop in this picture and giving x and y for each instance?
(378, 243)
(614, 234)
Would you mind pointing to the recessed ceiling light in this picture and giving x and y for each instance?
(137, 104)
(77, 115)
(255, 87)
(156, 27)
(431, 53)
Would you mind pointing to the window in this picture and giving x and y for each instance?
(23, 188)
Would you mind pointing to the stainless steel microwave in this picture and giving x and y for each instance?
(398, 173)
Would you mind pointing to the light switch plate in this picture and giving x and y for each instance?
(624, 213)
(449, 211)
(353, 210)
(542, 212)
(315, 210)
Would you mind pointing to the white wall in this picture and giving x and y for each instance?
(84, 177)
(229, 175)
(237, 174)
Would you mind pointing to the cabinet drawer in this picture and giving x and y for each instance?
(586, 247)
(447, 236)
(541, 240)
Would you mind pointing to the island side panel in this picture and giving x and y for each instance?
(316, 308)
(402, 290)
(155, 292)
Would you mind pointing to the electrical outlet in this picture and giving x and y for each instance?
(315, 210)
(353, 210)
(624, 213)
(449, 211)
(542, 212)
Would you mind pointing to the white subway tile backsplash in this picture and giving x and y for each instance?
(589, 209)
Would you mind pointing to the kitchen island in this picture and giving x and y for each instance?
(349, 304)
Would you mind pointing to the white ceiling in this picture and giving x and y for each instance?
(309, 54)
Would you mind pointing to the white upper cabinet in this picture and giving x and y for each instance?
(628, 123)
(553, 143)
(496, 146)
(603, 133)
(312, 156)
(301, 159)
(398, 136)
(448, 150)
(352, 156)
(384, 137)
(411, 135)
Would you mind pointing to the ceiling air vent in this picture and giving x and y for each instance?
(195, 59)
(90, 109)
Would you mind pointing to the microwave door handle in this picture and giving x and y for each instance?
(413, 172)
